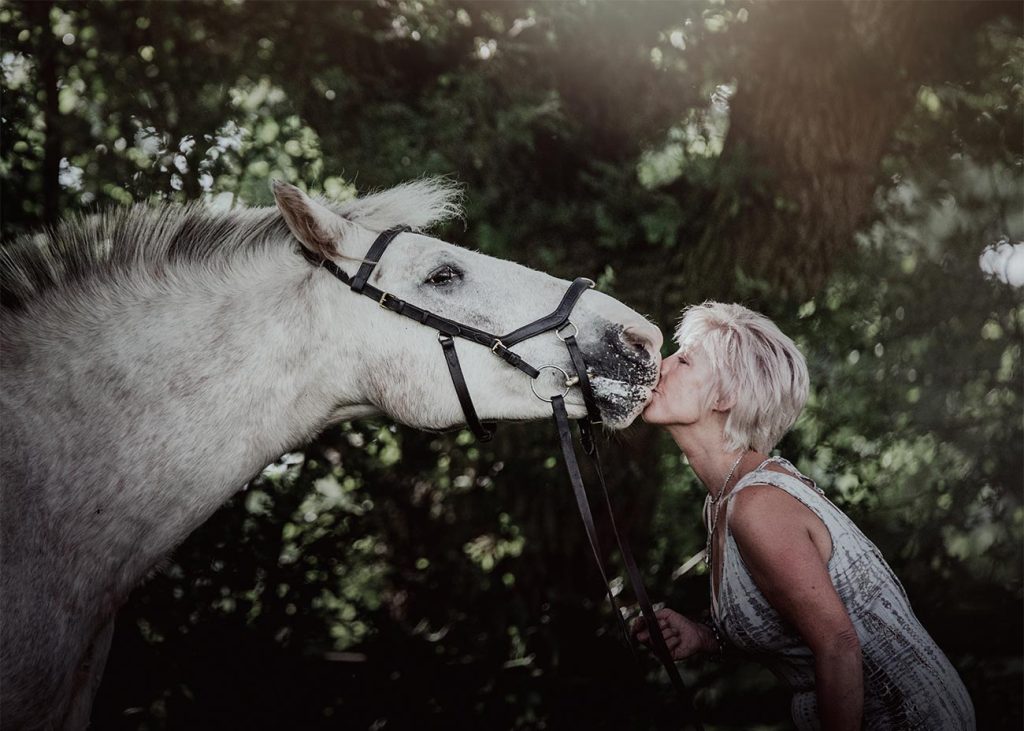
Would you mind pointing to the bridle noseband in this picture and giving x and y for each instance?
(557, 321)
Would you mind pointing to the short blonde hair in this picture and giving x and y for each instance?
(756, 367)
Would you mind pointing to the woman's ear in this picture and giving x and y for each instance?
(724, 402)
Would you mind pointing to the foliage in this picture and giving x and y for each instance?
(386, 578)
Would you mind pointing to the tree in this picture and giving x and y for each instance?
(589, 143)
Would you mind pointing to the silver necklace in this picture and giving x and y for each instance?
(716, 502)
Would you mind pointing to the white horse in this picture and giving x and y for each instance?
(156, 360)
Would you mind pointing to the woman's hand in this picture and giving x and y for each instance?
(682, 636)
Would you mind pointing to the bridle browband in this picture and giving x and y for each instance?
(557, 321)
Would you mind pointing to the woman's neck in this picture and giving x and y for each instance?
(716, 466)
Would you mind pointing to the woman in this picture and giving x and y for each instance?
(792, 578)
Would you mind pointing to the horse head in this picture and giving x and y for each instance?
(401, 369)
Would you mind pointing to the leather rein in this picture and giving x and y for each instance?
(559, 322)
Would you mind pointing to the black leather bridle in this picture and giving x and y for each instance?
(557, 321)
(448, 330)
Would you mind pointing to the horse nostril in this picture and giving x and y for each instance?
(641, 340)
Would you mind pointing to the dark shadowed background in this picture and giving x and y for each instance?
(852, 169)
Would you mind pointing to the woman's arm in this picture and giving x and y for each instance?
(774, 533)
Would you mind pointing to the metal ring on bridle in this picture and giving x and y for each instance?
(575, 331)
(533, 383)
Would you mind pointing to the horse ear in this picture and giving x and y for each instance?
(315, 225)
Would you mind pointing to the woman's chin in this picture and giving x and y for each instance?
(650, 410)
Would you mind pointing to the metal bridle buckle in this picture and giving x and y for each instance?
(533, 383)
(575, 331)
(383, 297)
(498, 344)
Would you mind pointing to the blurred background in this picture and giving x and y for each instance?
(852, 169)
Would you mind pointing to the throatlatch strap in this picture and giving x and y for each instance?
(451, 357)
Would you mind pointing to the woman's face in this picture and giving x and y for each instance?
(680, 396)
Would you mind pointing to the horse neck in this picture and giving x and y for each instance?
(151, 405)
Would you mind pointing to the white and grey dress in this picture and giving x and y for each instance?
(908, 682)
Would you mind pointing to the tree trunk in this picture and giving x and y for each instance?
(822, 88)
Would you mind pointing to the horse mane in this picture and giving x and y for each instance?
(142, 238)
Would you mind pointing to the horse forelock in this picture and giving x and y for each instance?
(142, 239)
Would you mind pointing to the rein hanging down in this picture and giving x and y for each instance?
(557, 321)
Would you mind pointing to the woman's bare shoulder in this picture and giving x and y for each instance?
(764, 515)
(761, 504)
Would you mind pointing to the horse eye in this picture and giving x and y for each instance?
(443, 275)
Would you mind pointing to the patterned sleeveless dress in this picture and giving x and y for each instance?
(908, 682)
